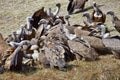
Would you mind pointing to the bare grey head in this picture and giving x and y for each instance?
(29, 18)
(43, 21)
(110, 13)
(59, 21)
(87, 15)
(67, 16)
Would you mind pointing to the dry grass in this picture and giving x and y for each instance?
(13, 14)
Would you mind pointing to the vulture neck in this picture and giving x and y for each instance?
(20, 30)
(29, 26)
(95, 7)
(89, 19)
(57, 11)
(61, 26)
(49, 12)
(45, 24)
(67, 22)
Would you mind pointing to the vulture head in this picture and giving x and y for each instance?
(114, 18)
(49, 13)
(57, 21)
(67, 20)
(94, 4)
(45, 23)
(58, 5)
(110, 13)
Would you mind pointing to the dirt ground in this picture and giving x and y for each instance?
(13, 13)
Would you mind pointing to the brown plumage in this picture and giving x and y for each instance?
(41, 14)
(76, 4)
(55, 55)
(3, 45)
(113, 44)
(115, 20)
(29, 37)
(97, 14)
(79, 32)
(16, 60)
(37, 16)
(97, 44)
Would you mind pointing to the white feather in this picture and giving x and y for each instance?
(106, 35)
(35, 55)
(96, 15)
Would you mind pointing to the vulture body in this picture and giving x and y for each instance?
(3, 45)
(97, 14)
(97, 44)
(76, 4)
(5, 50)
(55, 55)
(115, 20)
(80, 50)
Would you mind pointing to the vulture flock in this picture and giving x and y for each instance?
(48, 39)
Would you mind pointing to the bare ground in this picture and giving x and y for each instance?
(13, 14)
